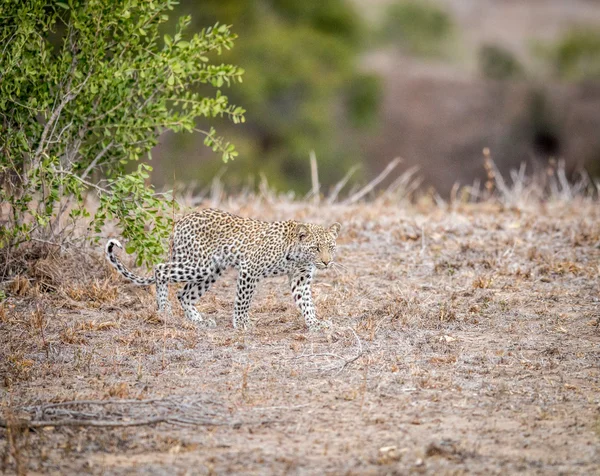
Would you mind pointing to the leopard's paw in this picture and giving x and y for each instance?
(208, 323)
(319, 326)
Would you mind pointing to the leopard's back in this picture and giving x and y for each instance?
(218, 236)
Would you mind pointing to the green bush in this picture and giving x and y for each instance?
(363, 98)
(420, 27)
(496, 62)
(575, 56)
(86, 87)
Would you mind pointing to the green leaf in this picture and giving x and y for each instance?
(117, 69)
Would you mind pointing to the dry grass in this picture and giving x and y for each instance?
(465, 339)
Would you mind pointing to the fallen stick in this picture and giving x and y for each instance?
(76, 422)
(73, 422)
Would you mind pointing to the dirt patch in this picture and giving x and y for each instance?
(464, 339)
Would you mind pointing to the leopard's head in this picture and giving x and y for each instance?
(316, 244)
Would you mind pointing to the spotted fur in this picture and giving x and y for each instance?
(206, 243)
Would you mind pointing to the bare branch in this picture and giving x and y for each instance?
(98, 157)
(68, 97)
(342, 363)
(81, 413)
(57, 140)
(46, 242)
(347, 362)
(76, 422)
(373, 183)
(340, 185)
(314, 175)
(85, 182)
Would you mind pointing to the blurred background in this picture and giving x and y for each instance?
(434, 82)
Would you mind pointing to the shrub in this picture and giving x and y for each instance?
(575, 56)
(421, 28)
(86, 88)
(496, 62)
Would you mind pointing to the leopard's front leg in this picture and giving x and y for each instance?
(246, 286)
(300, 281)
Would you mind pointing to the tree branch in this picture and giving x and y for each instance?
(98, 157)
(56, 111)
(85, 182)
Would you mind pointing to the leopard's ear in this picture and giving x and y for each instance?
(335, 229)
(301, 231)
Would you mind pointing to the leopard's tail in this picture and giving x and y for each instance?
(120, 267)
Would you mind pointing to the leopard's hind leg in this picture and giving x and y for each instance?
(246, 287)
(162, 290)
(172, 272)
(193, 291)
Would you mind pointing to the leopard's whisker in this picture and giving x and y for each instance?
(339, 265)
(335, 268)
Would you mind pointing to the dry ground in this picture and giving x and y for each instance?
(464, 340)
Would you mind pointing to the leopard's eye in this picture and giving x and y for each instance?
(314, 248)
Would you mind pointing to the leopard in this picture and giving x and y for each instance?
(207, 242)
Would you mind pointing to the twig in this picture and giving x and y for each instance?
(57, 140)
(101, 154)
(323, 354)
(96, 402)
(314, 176)
(285, 407)
(340, 185)
(359, 354)
(85, 182)
(66, 99)
(373, 183)
(344, 360)
(263, 187)
(128, 413)
(407, 182)
(75, 422)
(46, 242)
(360, 349)
(216, 188)
(347, 362)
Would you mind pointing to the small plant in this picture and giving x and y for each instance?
(575, 56)
(499, 63)
(86, 88)
(421, 28)
(364, 96)
(482, 282)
